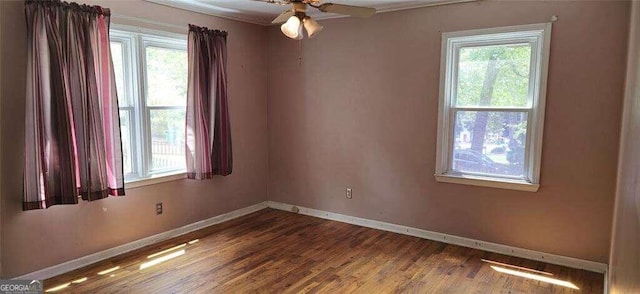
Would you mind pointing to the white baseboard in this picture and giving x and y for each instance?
(445, 238)
(449, 239)
(115, 251)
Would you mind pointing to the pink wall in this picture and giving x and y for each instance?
(360, 110)
(624, 262)
(34, 240)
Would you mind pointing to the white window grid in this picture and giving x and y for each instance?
(134, 42)
(538, 37)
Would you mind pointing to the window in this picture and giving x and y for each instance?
(491, 111)
(151, 78)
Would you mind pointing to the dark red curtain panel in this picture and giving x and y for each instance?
(72, 131)
(208, 130)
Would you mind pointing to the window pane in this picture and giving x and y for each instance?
(126, 132)
(490, 142)
(117, 56)
(167, 139)
(166, 77)
(494, 75)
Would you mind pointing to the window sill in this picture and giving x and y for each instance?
(488, 182)
(154, 180)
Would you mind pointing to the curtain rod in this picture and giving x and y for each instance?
(148, 21)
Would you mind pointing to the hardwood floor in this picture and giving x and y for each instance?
(273, 251)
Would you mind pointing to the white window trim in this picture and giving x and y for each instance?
(137, 38)
(141, 30)
(155, 179)
(535, 125)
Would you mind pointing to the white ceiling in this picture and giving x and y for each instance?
(262, 13)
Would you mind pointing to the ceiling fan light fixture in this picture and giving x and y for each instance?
(292, 28)
(312, 26)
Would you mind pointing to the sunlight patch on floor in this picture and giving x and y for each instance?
(104, 272)
(58, 288)
(167, 250)
(516, 267)
(161, 259)
(535, 277)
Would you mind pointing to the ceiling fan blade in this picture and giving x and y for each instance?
(356, 11)
(284, 16)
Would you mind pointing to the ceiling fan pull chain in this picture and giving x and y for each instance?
(300, 52)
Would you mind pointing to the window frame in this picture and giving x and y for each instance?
(135, 41)
(539, 37)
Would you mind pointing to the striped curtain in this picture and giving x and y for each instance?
(208, 131)
(72, 131)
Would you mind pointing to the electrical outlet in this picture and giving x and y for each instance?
(349, 193)
(158, 208)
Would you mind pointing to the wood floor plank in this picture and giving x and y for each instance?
(273, 251)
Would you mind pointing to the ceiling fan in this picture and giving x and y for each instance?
(296, 17)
